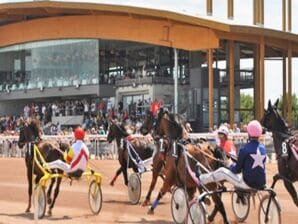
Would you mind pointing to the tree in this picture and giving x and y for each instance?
(294, 108)
(246, 105)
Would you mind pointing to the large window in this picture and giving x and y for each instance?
(65, 63)
(47, 64)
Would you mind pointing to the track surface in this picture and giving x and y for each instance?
(72, 204)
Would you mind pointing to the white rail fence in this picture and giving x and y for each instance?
(100, 149)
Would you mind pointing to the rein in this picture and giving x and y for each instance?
(210, 157)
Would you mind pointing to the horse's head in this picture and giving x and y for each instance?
(272, 120)
(148, 124)
(116, 130)
(165, 124)
(29, 131)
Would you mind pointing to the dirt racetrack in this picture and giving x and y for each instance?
(72, 204)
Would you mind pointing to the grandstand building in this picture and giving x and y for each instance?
(51, 50)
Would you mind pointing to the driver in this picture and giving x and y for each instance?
(251, 162)
(76, 158)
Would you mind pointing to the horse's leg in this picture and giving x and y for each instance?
(219, 206)
(50, 191)
(167, 184)
(291, 189)
(124, 171)
(57, 189)
(118, 172)
(191, 192)
(155, 173)
(29, 178)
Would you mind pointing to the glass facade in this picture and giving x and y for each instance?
(49, 64)
(66, 63)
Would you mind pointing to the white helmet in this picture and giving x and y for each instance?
(223, 130)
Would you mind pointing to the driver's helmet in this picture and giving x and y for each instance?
(223, 130)
(79, 134)
(254, 129)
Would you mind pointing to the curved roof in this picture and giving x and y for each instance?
(25, 11)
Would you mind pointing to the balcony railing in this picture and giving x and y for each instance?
(150, 81)
(245, 76)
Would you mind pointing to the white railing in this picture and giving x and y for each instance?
(99, 147)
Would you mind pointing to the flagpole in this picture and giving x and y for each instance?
(175, 81)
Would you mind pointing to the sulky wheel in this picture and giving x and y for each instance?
(241, 205)
(40, 202)
(274, 216)
(95, 197)
(134, 188)
(196, 213)
(179, 205)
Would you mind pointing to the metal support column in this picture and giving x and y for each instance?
(289, 102)
(175, 81)
(284, 85)
(210, 88)
(289, 15)
(257, 81)
(262, 77)
(209, 7)
(284, 15)
(261, 12)
(231, 82)
(255, 12)
(230, 9)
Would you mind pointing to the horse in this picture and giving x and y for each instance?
(30, 135)
(144, 149)
(170, 128)
(284, 142)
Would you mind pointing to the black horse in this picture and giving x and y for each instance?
(50, 150)
(170, 128)
(283, 139)
(143, 148)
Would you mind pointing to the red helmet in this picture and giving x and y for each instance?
(79, 133)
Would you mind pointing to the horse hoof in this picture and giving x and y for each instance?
(146, 203)
(27, 210)
(49, 212)
(49, 201)
(150, 211)
(112, 183)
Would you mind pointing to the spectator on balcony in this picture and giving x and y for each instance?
(54, 109)
(86, 109)
(26, 111)
(109, 105)
(101, 107)
(235, 128)
(101, 130)
(93, 109)
(120, 107)
(32, 110)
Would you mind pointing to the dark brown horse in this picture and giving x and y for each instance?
(170, 128)
(144, 149)
(284, 139)
(50, 150)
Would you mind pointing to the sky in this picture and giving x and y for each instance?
(242, 15)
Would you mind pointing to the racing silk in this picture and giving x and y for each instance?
(251, 162)
(229, 147)
(78, 156)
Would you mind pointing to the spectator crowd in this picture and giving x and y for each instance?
(96, 115)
